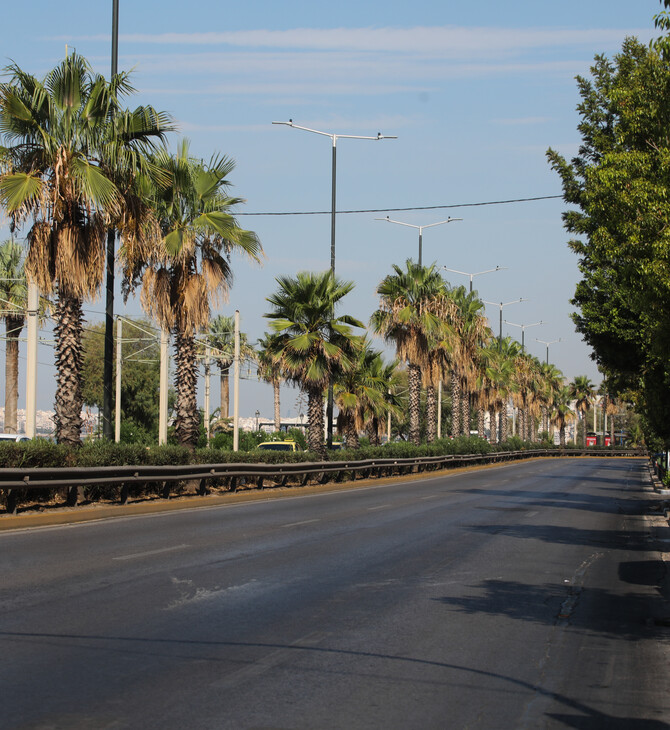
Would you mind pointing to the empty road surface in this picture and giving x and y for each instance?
(523, 596)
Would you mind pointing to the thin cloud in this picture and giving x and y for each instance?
(521, 121)
(442, 42)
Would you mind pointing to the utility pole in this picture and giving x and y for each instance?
(236, 377)
(109, 301)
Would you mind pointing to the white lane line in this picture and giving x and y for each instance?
(381, 506)
(431, 496)
(151, 552)
(304, 522)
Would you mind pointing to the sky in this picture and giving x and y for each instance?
(475, 93)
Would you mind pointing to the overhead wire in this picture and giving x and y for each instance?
(409, 208)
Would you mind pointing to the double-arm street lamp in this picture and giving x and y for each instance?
(551, 342)
(501, 305)
(476, 273)
(334, 138)
(410, 225)
(524, 327)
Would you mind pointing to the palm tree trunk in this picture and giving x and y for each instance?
(275, 386)
(315, 421)
(481, 422)
(187, 422)
(69, 358)
(352, 435)
(373, 431)
(431, 414)
(13, 325)
(493, 426)
(414, 378)
(504, 423)
(465, 412)
(455, 404)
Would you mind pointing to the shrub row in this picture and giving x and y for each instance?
(46, 454)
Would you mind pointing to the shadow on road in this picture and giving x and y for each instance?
(588, 719)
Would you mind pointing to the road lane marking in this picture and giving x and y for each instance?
(304, 522)
(151, 552)
(381, 506)
(431, 496)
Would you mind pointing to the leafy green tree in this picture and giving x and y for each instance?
(13, 294)
(140, 374)
(618, 183)
(67, 140)
(312, 345)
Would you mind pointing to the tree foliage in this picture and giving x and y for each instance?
(619, 183)
(140, 373)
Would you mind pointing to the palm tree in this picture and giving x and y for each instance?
(413, 311)
(313, 345)
(269, 371)
(362, 395)
(64, 136)
(472, 334)
(583, 392)
(560, 410)
(551, 381)
(221, 339)
(189, 267)
(13, 293)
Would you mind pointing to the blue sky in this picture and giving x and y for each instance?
(475, 93)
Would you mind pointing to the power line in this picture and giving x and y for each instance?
(416, 207)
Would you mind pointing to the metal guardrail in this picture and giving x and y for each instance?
(14, 482)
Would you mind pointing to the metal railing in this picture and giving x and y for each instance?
(15, 482)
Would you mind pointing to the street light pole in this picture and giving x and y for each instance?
(108, 354)
(523, 329)
(476, 273)
(551, 342)
(334, 137)
(410, 225)
(501, 305)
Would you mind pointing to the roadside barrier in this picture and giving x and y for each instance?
(16, 482)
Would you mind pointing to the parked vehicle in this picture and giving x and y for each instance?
(13, 437)
(279, 446)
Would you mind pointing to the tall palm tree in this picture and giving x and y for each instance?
(560, 412)
(551, 381)
(188, 268)
(471, 335)
(13, 294)
(221, 338)
(362, 394)
(63, 137)
(313, 345)
(583, 393)
(269, 371)
(414, 307)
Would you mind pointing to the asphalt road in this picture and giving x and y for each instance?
(524, 596)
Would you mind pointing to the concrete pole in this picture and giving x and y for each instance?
(119, 353)
(31, 369)
(207, 368)
(236, 377)
(439, 409)
(163, 388)
(388, 424)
